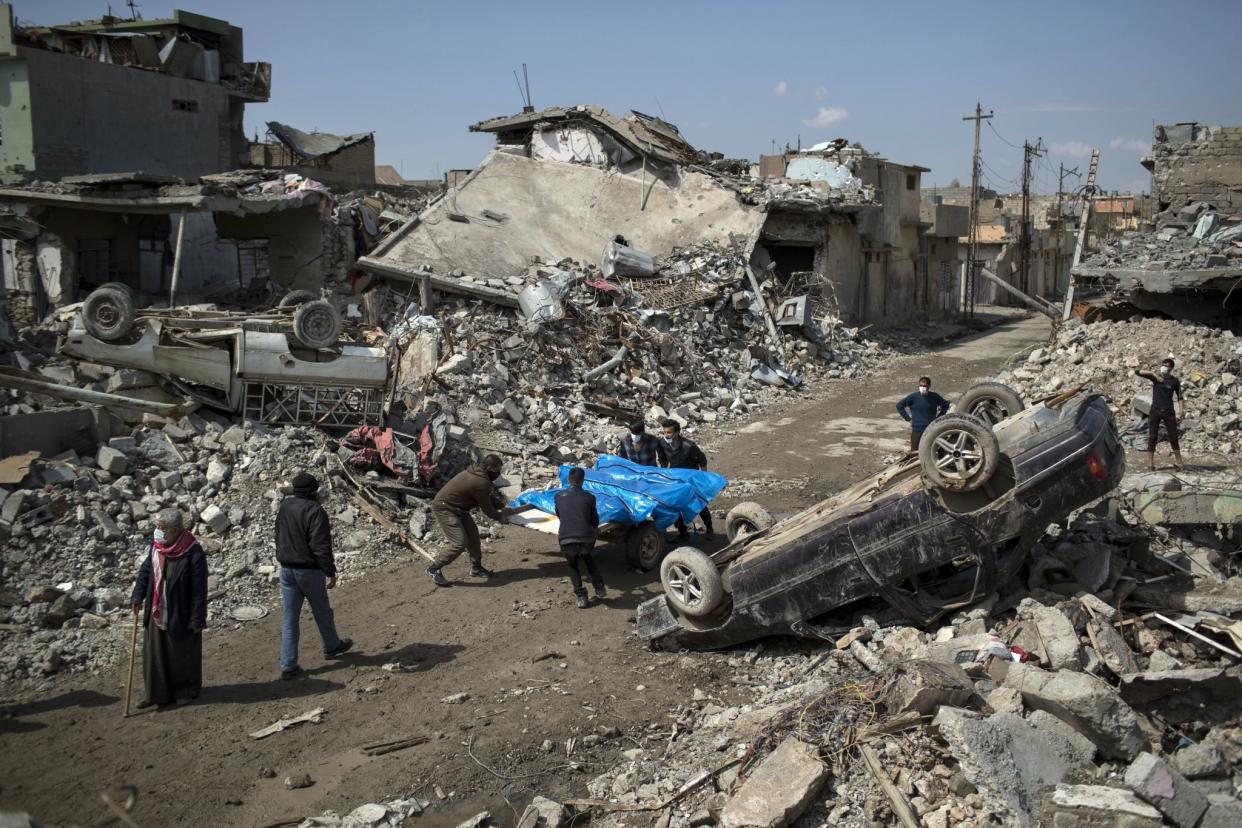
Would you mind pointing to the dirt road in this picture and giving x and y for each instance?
(536, 670)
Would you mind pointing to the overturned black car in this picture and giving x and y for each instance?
(933, 534)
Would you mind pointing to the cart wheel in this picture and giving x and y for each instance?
(317, 324)
(107, 314)
(296, 297)
(692, 583)
(745, 519)
(644, 546)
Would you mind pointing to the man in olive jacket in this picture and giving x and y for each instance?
(469, 490)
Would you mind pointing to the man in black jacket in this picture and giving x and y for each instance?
(307, 572)
(579, 522)
(681, 453)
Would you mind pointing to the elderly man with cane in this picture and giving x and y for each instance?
(171, 594)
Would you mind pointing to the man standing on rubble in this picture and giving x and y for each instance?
(681, 453)
(307, 572)
(579, 524)
(642, 448)
(452, 505)
(919, 408)
(1164, 387)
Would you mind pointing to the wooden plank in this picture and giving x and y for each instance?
(901, 806)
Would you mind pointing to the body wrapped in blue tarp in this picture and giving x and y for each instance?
(630, 493)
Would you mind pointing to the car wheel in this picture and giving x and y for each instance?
(692, 583)
(989, 401)
(644, 546)
(959, 452)
(296, 297)
(746, 519)
(122, 287)
(317, 324)
(108, 314)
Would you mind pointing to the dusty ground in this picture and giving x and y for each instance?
(535, 667)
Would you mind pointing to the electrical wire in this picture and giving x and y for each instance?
(1002, 137)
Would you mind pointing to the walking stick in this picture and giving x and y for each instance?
(133, 649)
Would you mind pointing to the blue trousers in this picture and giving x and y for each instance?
(296, 586)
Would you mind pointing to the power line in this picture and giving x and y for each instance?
(1002, 137)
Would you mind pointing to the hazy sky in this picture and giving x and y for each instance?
(734, 77)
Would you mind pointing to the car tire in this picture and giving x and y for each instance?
(122, 287)
(745, 519)
(108, 314)
(644, 546)
(958, 452)
(296, 297)
(691, 581)
(317, 324)
(989, 401)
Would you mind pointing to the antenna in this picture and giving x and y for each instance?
(661, 108)
(134, 14)
(529, 105)
(521, 94)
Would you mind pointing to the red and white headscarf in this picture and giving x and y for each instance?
(176, 549)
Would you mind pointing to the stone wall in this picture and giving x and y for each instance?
(1193, 162)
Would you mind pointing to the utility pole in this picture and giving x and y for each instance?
(972, 240)
(1024, 240)
(1088, 191)
(1060, 225)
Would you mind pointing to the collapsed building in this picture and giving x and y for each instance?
(341, 160)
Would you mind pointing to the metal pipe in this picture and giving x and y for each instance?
(172, 290)
(607, 366)
(65, 392)
(987, 274)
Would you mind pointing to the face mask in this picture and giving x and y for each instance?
(636, 438)
(923, 389)
(668, 439)
(1164, 369)
(159, 536)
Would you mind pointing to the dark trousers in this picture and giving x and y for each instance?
(575, 552)
(915, 435)
(706, 515)
(1154, 419)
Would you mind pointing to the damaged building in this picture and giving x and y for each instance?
(164, 97)
(1192, 162)
(342, 160)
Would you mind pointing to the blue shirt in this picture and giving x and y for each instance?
(920, 409)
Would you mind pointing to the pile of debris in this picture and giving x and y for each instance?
(77, 527)
(1193, 237)
(1106, 354)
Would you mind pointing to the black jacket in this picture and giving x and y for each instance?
(686, 455)
(579, 518)
(187, 592)
(303, 536)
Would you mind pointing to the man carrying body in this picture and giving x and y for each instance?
(681, 453)
(307, 572)
(1164, 387)
(920, 408)
(641, 448)
(470, 489)
(579, 522)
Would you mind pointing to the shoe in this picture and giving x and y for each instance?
(145, 703)
(184, 700)
(288, 675)
(341, 649)
(600, 590)
(481, 572)
(437, 577)
(582, 600)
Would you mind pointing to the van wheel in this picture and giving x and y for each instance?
(108, 314)
(692, 583)
(959, 452)
(317, 324)
(644, 546)
(296, 297)
(989, 401)
(746, 519)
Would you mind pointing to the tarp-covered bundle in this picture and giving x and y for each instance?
(628, 493)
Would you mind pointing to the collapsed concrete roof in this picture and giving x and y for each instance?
(514, 208)
(139, 193)
(646, 135)
(314, 144)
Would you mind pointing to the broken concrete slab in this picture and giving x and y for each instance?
(1086, 703)
(1157, 783)
(541, 813)
(215, 519)
(1111, 648)
(779, 790)
(1052, 633)
(921, 686)
(1098, 806)
(1199, 761)
(112, 461)
(1183, 695)
(1013, 758)
(1224, 597)
(1223, 811)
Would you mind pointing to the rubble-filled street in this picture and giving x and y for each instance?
(808, 454)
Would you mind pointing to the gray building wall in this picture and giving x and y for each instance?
(1195, 162)
(91, 117)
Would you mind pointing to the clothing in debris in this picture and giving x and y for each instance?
(172, 653)
(579, 519)
(920, 409)
(303, 535)
(311, 586)
(468, 490)
(648, 451)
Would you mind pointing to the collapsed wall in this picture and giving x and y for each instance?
(1195, 162)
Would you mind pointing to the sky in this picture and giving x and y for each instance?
(739, 78)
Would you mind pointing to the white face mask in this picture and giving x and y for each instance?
(1164, 369)
(923, 389)
(159, 536)
(636, 438)
(668, 439)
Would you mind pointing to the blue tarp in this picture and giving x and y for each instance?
(629, 493)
